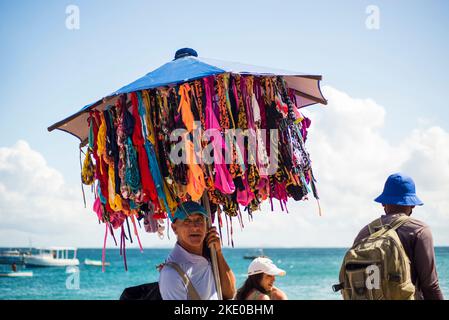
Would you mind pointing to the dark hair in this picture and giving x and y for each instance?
(252, 282)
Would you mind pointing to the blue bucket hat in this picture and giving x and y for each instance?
(399, 189)
(188, 208)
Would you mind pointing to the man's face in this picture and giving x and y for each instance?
(191, 231)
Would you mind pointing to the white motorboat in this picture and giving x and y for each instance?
(96, 263)
(17, 274)
(53, 257)
(12, 256)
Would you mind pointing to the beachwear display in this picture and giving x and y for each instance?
(240, 138)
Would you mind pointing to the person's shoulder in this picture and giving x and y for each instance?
(257, 295)
(169, 274)
(278, 294)
(363, 233)
(263, 296)
(171, 285)
(417, 229)
(417, 226)
(417, 223)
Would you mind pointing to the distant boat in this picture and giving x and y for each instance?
(17, 274)
(13, 256)
(53, 257)
(96, 263)
(255, 254)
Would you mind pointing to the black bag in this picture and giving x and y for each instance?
(147, 291)
(150, 291)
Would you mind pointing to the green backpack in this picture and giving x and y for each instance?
(377, 267)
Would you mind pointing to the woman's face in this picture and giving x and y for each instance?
(267, 282)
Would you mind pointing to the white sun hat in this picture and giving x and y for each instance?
(264, 265)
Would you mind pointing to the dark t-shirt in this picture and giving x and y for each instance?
(417, 240)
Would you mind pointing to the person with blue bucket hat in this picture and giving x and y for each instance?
(398, 199)
(399, 190)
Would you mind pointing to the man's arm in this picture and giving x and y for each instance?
(425, 266)
(227, 278)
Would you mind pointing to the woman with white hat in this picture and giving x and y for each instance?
(259, 285)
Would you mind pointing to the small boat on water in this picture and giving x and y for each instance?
(13, 256)
(53, 257)
(255, 254)
(14, 274)
(96, 263)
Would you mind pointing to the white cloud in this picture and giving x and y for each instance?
(35, 203)
(351, 160)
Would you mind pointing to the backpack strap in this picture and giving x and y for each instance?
(399, 222)
(192, 294)
(377, 224)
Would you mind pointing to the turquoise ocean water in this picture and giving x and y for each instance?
(310, 274)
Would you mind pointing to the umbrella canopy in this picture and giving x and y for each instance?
(188, 66)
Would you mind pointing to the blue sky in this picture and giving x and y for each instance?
(49, 72)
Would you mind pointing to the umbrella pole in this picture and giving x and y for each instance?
(213, 253)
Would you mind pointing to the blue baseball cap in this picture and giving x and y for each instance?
(188, 208)
(399, 189)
